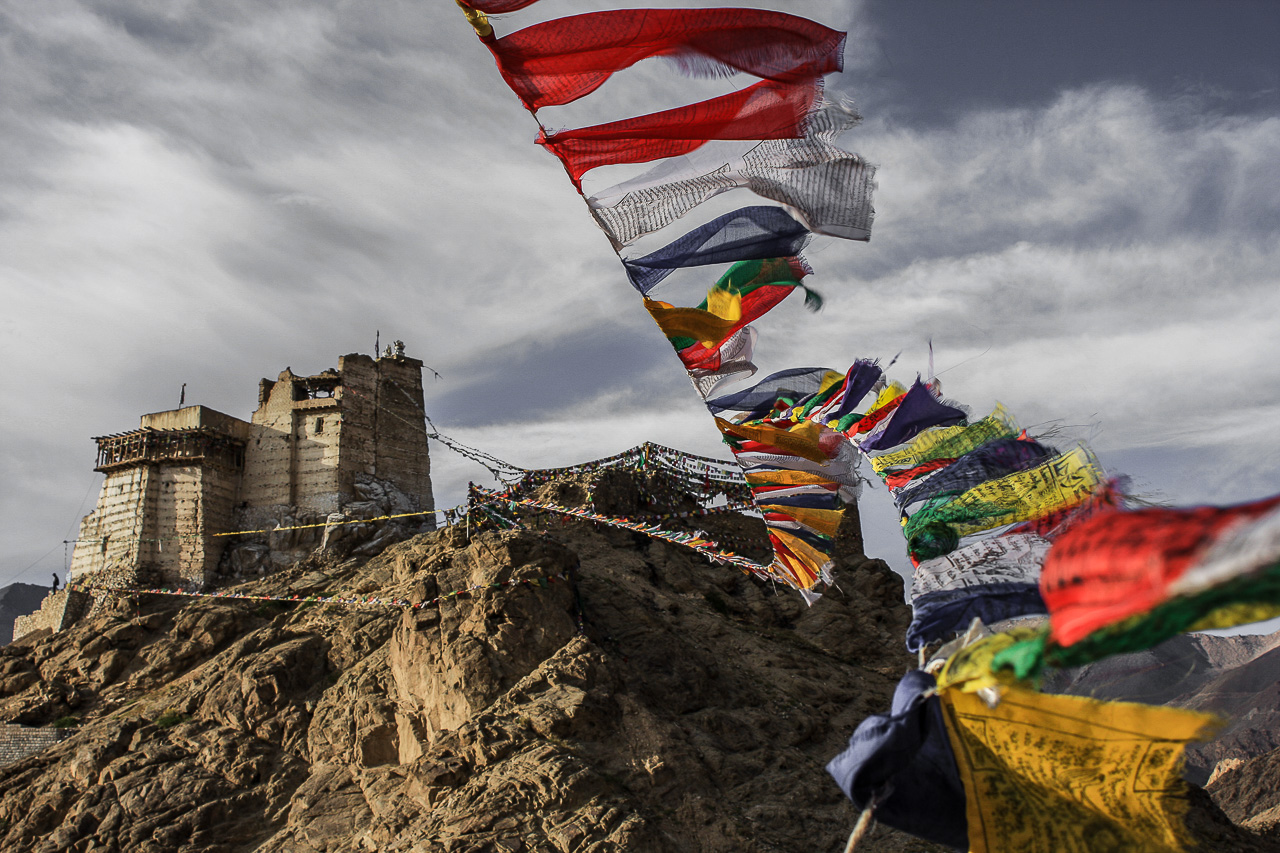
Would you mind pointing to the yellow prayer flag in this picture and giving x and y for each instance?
(1237, 613)
(725, 305)
(825, 521)
(705, 326)
(782, 477)
(891, 392)
(801, 549)
(1063, 481)
(1065, 774)
(799, 440)
(969, 669)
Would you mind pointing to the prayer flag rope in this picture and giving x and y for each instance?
(699, 474)
(793, 161)
(1031, 773)
(345, 601)
(704, 546)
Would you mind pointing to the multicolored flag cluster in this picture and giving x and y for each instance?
(801, 469)
(998, 524)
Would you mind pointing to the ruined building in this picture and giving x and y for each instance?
(345, 443)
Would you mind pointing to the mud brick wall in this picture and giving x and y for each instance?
(109, 535)
(384, 434)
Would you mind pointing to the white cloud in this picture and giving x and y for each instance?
(206, 194)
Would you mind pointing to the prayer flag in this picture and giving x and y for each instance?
(1065, 774)
(750, 233)
(826, 188)
(993, 460)
(559, 61)
(1065, 480)
(766, 110)
(999, 559)
(1125, 563)
(919, 410)
(948, 442)
(687, 326)
(824, 521)
(807, 440)
(937, 615)
(972, 668)
(905, 761)
(898, 479)
(758, 400)
(860, 379)
(710, 366)
(807, 562)
(739, 346)
(879, 413)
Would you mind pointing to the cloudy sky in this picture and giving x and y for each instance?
(1079, 204)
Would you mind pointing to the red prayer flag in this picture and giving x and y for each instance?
(873, 418)
(898, 479)
(559, 61)
(755, 305)
(1120, 563)
(767, 110)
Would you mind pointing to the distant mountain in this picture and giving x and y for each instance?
(1237, 677)
(18, 599)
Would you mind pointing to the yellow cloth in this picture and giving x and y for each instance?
(1064, 774)
(891, 392)
(710, 326)
(996, 425)
(1241, 613)
(822, 520)
(794, 571)
(786, 478)
(1063, 481)
(802, 549)
(969, 669)
(800, 440)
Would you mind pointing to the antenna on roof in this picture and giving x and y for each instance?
(182, 398)
(377, 342)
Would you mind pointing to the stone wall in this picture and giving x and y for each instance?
(109, 536)
(17, 742)
(60, 609)
(317, 439)
(348, 443)
(292, 455)
(191, 503)
(384, 434)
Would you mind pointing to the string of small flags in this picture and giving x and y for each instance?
(541, 581)
(697, 542)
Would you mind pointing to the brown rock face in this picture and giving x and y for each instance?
(593, 691)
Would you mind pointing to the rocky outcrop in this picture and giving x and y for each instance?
(592, 691)
(1249, 792)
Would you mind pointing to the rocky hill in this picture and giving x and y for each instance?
(1235, 677)
(609, 692)
(1249, 792)
(18, 599)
